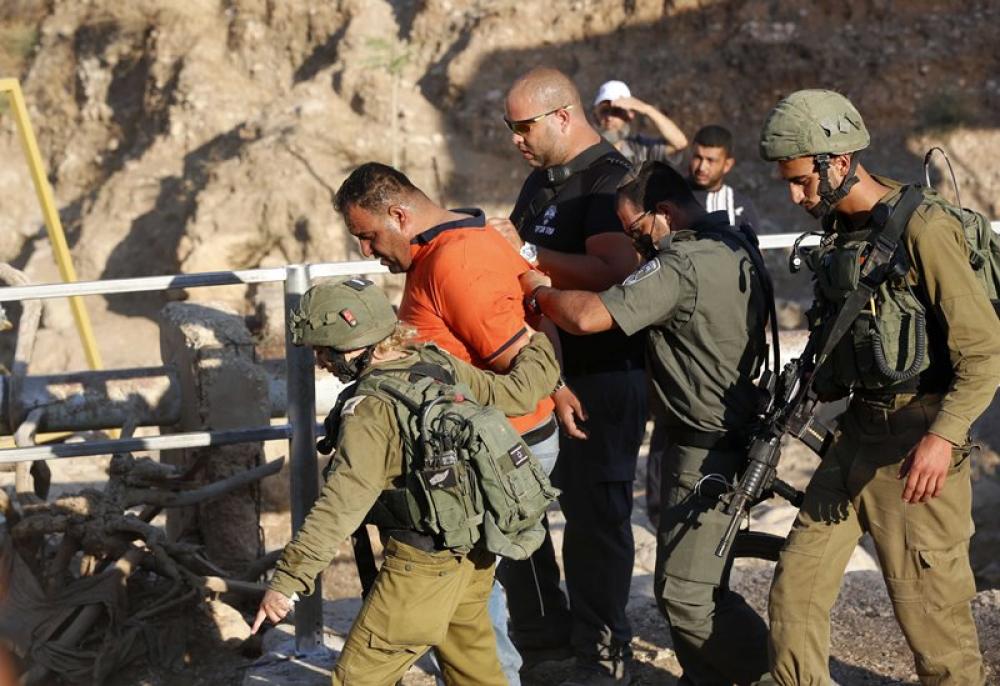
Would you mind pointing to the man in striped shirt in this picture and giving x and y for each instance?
(711, 160)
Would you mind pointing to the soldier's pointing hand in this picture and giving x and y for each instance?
(273, 606)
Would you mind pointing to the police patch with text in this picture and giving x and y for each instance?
(642, 272)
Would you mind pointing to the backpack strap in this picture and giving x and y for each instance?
(556, 178)
(434, 371)
(748, 241)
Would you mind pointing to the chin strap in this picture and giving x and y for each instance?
(349, 370)
(829, 196)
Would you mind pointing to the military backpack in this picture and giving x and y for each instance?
(982, 241)
(468, 477)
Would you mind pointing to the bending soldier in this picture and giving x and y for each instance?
(427, 594)
(701, 299)
(922, 361)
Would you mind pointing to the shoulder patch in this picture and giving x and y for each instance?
(350, 405)
(642, 272)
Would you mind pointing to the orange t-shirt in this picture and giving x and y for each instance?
(462, 294)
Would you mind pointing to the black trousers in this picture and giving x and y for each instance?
(539, 611)
(596, 478)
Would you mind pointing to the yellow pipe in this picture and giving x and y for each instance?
(51, 216)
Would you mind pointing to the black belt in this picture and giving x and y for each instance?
(887, 395)
(879, 398)
(540, 433)
(709, 440)
(411, 538)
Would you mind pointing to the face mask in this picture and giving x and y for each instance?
(349, 370)
(645, 246)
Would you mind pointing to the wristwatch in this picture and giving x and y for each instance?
(529, 251)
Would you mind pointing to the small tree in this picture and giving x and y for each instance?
(392, 57)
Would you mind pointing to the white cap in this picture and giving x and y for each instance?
(612, 90)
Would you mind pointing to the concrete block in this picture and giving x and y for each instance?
(222, 387)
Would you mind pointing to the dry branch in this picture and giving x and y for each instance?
(158, 498)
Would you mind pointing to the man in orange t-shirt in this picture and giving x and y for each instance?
(462, 293)
(459, 295)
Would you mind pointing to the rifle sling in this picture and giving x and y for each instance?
(874, 272)
(364, 558)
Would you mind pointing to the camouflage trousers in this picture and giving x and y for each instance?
(422, 600)
(923, 550)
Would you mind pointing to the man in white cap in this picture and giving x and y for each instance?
(615, 108)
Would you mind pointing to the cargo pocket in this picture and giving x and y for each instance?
(946, 577)
(937, 535)
(943, 521)
(413, 599)
(689, 544)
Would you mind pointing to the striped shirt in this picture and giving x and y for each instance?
(738, 206)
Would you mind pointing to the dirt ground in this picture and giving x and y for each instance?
(867, 647)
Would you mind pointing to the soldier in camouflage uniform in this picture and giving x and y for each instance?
(899, 468)
(424, 596)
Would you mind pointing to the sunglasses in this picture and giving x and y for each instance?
(631, 228)
(522, 126)
(609, 111)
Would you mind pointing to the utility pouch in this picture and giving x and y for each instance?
(469, 477)
(886, 343)
(838, 269)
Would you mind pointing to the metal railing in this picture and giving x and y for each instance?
(301, 429)
(179, 281)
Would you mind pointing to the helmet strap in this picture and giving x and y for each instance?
(349, 370)
(829, 196)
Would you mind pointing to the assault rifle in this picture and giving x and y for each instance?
(790, 410)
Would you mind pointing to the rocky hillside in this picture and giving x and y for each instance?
(192, 136)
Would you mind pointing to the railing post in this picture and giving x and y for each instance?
(302, 450)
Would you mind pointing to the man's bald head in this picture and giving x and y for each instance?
(548, 124)
(546, 88)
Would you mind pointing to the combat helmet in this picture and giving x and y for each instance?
(812, 122)
(821, 124)
(345, 316)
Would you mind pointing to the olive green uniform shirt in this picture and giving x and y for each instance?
(702, 299)
(369, 457)
(939, 268)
